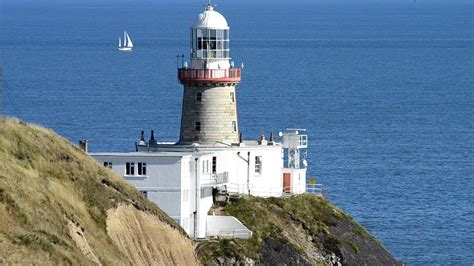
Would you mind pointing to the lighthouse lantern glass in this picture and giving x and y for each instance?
(209, 43)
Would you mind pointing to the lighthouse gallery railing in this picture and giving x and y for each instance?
(209, 75)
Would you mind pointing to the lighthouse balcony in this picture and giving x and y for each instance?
(231, 75)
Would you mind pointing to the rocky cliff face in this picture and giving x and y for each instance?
(301, 230)
(58, 206)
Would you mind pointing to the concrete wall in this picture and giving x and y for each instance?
(216, 112)
(226, 226)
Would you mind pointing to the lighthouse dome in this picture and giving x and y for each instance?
(210, 19)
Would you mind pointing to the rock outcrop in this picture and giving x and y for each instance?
(297, 230)
(58, 206)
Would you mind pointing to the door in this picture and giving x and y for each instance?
(287, 182)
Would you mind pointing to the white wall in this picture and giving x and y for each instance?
(268, 183)
(174, 182)
(298, 180)
(163, 181)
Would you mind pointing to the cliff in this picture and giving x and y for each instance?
(58, 206)
(301, 230)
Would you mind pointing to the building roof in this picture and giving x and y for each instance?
(210, 19)
(145, 154)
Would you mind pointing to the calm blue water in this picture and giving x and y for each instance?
(385, 91)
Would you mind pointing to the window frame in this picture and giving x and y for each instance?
(197, 126)
(130, 168)
(141, 168)
(214, 164)
(198, 97)
(258, 165)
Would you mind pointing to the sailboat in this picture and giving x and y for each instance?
(127, 44)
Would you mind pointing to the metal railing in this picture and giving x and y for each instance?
(209, 75)
(316, 189)
(230, 233)
(216, 179)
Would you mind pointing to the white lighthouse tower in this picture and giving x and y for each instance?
(209, 113)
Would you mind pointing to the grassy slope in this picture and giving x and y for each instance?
(44, 182)
(306, 223)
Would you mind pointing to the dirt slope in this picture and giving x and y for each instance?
(58, 206)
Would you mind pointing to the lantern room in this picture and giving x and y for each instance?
(210, 41)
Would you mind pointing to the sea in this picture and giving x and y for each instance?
(383, 88)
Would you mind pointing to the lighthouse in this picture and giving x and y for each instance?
(210, 162)
(209, 113)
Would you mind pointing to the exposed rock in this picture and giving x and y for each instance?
(303, 230)
(274, 252)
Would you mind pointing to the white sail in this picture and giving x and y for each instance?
(125, 43)
(125, 39)
(129, 41)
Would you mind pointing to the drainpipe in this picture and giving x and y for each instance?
(248, 172)
(248, 169)
(196, 197)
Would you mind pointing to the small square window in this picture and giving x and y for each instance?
(198, 97)
(197, 126)
(108, 164)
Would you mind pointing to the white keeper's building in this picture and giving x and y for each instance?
(211, 162)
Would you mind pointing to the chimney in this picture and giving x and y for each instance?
(83, 145)
(270, 141)
(152, 141)
(263, 140)
(142, 139)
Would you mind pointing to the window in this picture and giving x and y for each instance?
(144, 193)
(129, 168)
(214, 164)
(198, 97)
(232, 97)
(108, 164)
(207, 43)
(141, 168)
(258, 165)
(205, 166)
(234, 126)
(197, 126)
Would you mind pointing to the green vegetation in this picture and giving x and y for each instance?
(307, 223)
